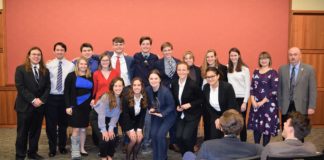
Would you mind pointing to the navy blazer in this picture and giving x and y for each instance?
(28, 89)
(142, 68)
(167, 106)
(191, 94)
(226, 99)
(166, 80)
(129, 62)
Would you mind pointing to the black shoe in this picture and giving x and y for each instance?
(84, 154)
(35, 156)
(51, 154)
(63, 150)
(174, 147)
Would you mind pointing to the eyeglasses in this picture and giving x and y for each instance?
(210, 77)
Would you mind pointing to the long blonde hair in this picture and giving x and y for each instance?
(76, 70)
(204, 66)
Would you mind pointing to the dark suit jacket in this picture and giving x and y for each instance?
(227, 148)
(226, 98)
(129, 119)
(223, 70)
(129, 62)
(28, 89)
(142, 68)
(166, 81)
(191, 94)
(167, 106)
(199, 79)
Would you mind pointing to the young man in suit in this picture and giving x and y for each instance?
(297, 86)
(56, 118)
(33, 86)
(119, 61)
(144, 62)
(295, 129)
(229, 147)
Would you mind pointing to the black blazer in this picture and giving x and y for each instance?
(166, 81)
(28, 89)
(226, 99)
(223, 70)
(199, 79)
(129, 119)
(191, 94)
(144, 66)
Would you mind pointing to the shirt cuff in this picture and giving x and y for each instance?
(111, 128)
(33, 100)
(138, 130)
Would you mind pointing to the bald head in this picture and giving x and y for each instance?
(294, 55)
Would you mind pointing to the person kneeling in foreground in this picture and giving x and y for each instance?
(229, 147)
(296, 128)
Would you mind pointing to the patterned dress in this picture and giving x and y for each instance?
(264, 119)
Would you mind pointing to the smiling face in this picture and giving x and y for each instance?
(118, 87)
(35, 56)
(146, 46)
(154, 80)
(137, 86)
(264, 62)
(82, 66)
(118, 47)
(59, 52)
(182, 71)
(234, 57)
(188, 59)
(167, 52)
(210, 58)
(105, 62)
(212, 78)
(86, 52)
(294, 55)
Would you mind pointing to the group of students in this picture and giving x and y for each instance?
(147, 96)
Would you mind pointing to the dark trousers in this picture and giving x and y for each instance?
(56, 122)
(159, 130)
(29, 125)
(172, 134)
(206, 120)
(93, 122)
(257, 138)
(214, 132)
(106, 148)
(243, 134)
(184, 134)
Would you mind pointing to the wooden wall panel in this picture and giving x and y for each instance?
(317, 61)
(7, 102)
(318, 118)
(307, 31)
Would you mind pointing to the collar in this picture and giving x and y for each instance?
(183, 82)
(296, 66)
(145, 54)
(116, 55)
(37, 66)
(139, 98)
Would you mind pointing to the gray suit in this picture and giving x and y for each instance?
(304, 90)
(288, 148)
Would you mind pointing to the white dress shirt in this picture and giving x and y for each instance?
(123, 67)
(52, 66)
(137, 105)
(213, 98)
(181, 87)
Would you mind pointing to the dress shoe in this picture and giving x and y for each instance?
(63, 150)
(84, 154)
(174, 147)
(35, 156)
(51, 154)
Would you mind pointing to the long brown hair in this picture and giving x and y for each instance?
(76, 69)
(204, 66)
(27, 63)
(131, 94)
(240, 62)
(111, 93)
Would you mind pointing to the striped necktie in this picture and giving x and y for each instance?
(36, 75)
(292, 83)
(59, 77)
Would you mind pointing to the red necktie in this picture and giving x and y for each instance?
(118, 65)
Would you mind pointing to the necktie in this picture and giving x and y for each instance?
(292, 83)
(59, 77)
(118, 65)
(171, 69)
(36, 74)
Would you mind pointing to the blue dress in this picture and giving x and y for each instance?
(264, 119)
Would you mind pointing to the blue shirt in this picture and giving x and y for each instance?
(296, 70)
(93, 63)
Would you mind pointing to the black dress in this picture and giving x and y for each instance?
(78, 95)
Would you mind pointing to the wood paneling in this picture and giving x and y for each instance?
(307, 30)
(318, 118)
(317, 61)
(7, 103)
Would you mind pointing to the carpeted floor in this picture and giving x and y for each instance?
(7, 146)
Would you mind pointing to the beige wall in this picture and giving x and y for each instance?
(308, 5)
(1, 4)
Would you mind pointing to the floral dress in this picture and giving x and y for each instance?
(264, 119)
